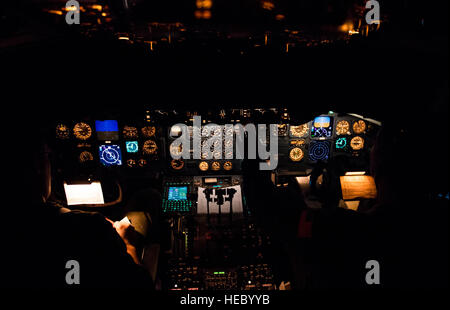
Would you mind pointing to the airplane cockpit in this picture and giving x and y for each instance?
(212, 146)
(208, 204)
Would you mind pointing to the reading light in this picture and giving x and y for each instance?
(355, 173)
(84, 193)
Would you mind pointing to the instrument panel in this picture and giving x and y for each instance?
(122, 144)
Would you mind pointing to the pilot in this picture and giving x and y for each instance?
(47, 237)
(405, 231)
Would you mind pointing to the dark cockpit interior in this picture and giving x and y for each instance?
(226, 146)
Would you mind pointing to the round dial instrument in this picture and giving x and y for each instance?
(203, 166)
(142, 162)
(82, 131)
(357, 143)
(296, 154)
(176, 150)
(149, 147)
(228, 165)
(359, 126)
(177, 164)
(299, 131)
(215, 165)
(130, 132)
(85, 156)
(131, 163)
(148, 131)
(217, 155)
(343, 128)
(282, 130)
(62, 131)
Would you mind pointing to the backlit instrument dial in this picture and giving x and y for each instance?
(228, 165)
(357, 143)
(149, 147)
(130, 132)
(142, 162)
(343, 128)
(299, 131)
(203, 166)
(131, 163)
(296, 154)
(359, 127)
(177, 164)
(229, 131)
(217, 155)
(62, 131)
(148, 131)
(82, 131)
(176, 150)
(282, 130)
(85, 156)
(215, 165)
(217, 131)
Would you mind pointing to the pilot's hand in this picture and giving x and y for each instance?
(126, 232)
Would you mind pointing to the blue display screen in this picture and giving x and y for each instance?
(319, 150)
(132, 146)
(110, 155)
(322, 127)
(107, 130)
(177, 193)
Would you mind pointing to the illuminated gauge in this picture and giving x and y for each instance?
(215, 165)
(142, 162)
(227, 166)
(297, 142)
(203, 166)
(359, 127)
(228, 143)
(82, 131)
(217, 131)
(176, 150)
(319, 150)
(130, 132)
(229, 131)
(177, 164)
(229, 155)
(341, 143)
(296, 154)
(217, 143)
(282, 129)
(343, 128)
(217, 155)
(149, 147)
(357, 143)
(175, 131)
(62, 131)
(205, 131)
(148, 131)
(299, 131)
(131, 163)
(85, 156)
(205, 155)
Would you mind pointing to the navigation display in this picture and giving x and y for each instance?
(110, 155)
(177, 193)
